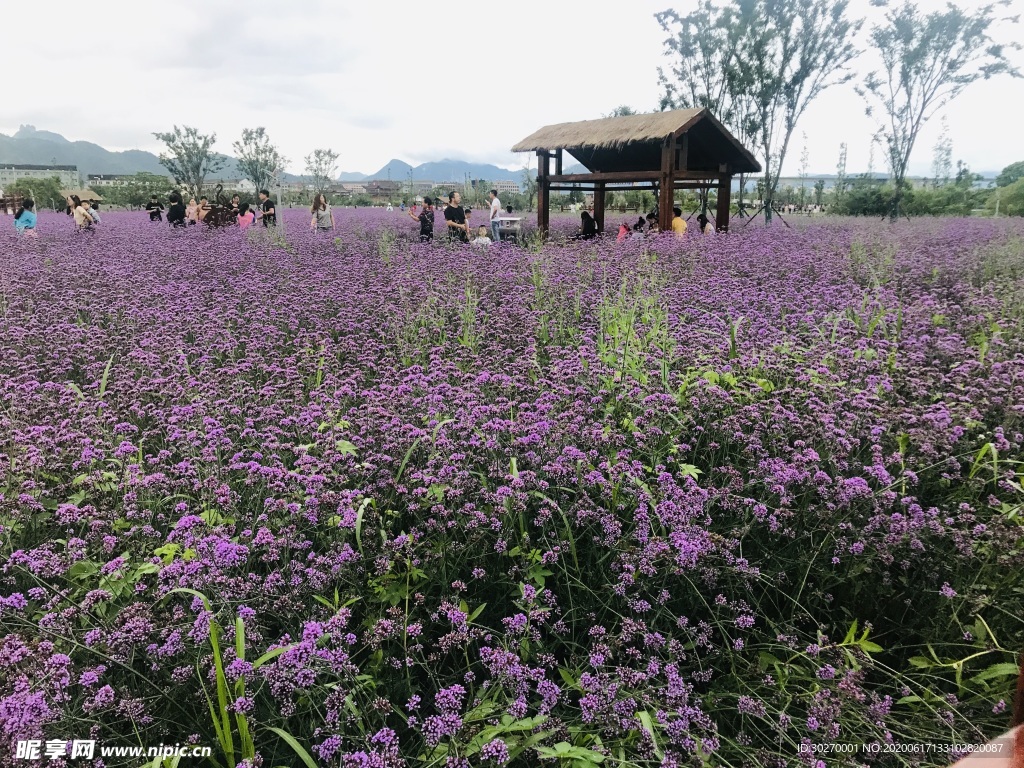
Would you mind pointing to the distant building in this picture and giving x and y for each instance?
(109, 179)
(506, 187)
(11, 172)
(383, 189)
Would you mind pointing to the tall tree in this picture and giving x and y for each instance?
(322, 166)
(927, 61)
(840, 189)
(189, 158)
(258, 159)
(804, 160)
(942, 160)
(1010, 174)
(789, 51)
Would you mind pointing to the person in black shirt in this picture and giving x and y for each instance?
(455, 218)
(176, 213)
(426, 220)
(267, 206)
(234, 204)
(155, 207)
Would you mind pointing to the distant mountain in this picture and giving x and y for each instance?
(443, 171)
(36, 147)
(32, 146)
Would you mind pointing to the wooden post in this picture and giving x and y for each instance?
(666, 184)
(543, 171)
(599, 205)
(558, 162)
(722, 211)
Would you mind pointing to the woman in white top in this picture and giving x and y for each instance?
(323, 216)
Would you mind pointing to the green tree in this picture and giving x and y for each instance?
(258, 159)
(188, 157)
(622, 111)
(1008, 200)
(841, 179)
(1010, 174)
(704, 73)
(529, 187)
(927, 60)
(789, 52)
(819, 191)
(44, 191)
(322, 167)
(942, 161)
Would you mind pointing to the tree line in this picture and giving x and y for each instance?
(757, 65)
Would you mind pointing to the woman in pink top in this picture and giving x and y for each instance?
(245, 216)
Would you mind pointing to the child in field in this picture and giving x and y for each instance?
(245, 216)
(481, 236)
(25, 218)
(94, 211)
(192, 212)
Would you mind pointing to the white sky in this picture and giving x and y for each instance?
(413, 80)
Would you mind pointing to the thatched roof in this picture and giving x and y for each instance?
(632, 142)
(83, 194)
(607, 132)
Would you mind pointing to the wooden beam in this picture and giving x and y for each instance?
(683, 153)
(558, 162)
(612, 176)
(543, 183)
(722, 210)
(628, 176)
(599, 206)
(666, 185)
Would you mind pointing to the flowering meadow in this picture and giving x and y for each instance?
(350, 500)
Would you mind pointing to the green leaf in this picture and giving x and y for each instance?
(850, 633)
(1006, 669)
(648, 725)
(297, 748)
(921, 662)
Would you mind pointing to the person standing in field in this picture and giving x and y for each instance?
(678, 224)
(25, 218)
(495, 213)
(192, 212)
(268, 212)
(323, 216)
(426, 220)
(235, 203)
(455, 218)
(155, 208)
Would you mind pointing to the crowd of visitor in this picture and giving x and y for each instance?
(458, 225)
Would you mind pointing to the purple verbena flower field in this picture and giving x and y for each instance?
(352, 500)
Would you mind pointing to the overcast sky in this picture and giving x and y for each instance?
(365, 78)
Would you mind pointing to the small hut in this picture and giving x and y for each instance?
(83, 194)
(662, 151)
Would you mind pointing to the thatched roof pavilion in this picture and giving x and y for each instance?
(678, 149)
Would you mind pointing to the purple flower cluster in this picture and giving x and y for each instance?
(460, 500)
